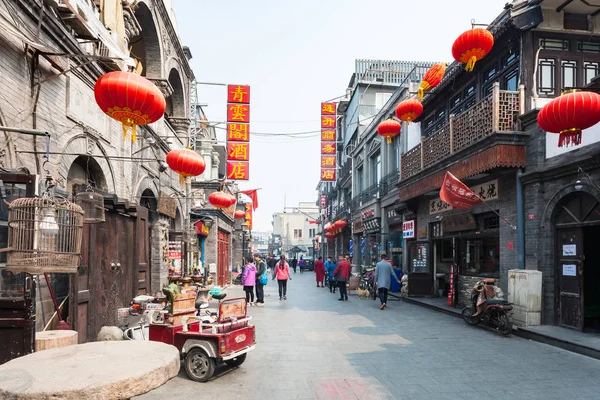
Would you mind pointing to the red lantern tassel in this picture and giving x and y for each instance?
(126, 124)
(569, 137)
(182, 180)
(471, 64)
(422, 88)
(389, 140)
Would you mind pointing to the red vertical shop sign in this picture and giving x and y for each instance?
(328, 141)
(238, 132)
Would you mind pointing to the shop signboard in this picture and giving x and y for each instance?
(372, 225)
(174, 254)
(393, 218)
(357, 225)
(238, 132)
(328, 141)
(408, 229)
(167, 205)
(459, 222)
(485, 191)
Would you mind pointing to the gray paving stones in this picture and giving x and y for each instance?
(315, 347)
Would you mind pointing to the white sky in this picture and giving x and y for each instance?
(295, 54)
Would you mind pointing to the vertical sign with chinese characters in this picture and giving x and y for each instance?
(238, 132)
(249, 216)
(328, 141)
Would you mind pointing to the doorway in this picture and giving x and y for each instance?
(591, 289)
(577, 220)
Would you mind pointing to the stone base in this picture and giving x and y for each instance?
(96, 370)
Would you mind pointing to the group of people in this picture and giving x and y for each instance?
(339, 274)
(254, 278)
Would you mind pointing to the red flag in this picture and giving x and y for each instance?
(457, 194)
(253, 195)
(312, 222)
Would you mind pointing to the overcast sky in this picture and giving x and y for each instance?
(295, 54)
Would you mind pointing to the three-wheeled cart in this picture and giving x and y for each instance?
(202, 345)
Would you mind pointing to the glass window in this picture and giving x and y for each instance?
(591, 70)
(359, 180)
(511, 81)
(455, 101)
(469, 90)
(376, 169)
(554, 44)
(546, 76)
(509, 59)
(569, 74)
(589, 47)
(490, 73)
(480, 257)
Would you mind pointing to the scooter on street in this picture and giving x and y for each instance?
(487, 309)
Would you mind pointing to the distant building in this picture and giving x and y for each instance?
(295, 227)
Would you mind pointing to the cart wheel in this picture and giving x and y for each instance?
(467, 315)
(199, 366)
(236, 362)
(504, 325)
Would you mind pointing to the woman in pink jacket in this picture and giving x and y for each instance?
(282, 273)
(249, 280)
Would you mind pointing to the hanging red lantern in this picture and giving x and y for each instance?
(186, 163)
(341, 224)
(569, 114)
(431, 79)
(130, 99)
(408, 110)
(388, 129)
(221, 200)
(472, 46)
(239, 214)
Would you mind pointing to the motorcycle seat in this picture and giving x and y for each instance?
(497, 301)
(219, 296)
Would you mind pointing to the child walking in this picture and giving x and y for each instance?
(282, 273)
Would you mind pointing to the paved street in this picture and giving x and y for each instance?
(313, 346)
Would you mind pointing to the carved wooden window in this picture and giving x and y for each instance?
(546, 84)
(588, 47)
(590, 71)
(554, 44)
(568, 72)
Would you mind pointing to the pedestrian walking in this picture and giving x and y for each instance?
(293, 264)
(261, 280)
(383, 277)
(301, 264)
(342, 274)
(282, 274)
(329, 270)
(272, 262)
(249, 280)
(320, 271)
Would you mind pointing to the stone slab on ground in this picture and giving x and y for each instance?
(97, 370)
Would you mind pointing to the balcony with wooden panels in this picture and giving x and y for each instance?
(483, 137)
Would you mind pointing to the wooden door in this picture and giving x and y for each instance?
(112, 271)
(570, 277)
(142, 251)
(223, 264)
(420, 279)
(17, 291)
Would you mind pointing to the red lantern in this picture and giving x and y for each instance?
(239, 214)
(186, 163)
(130, 99)
(472, 46)
(340, 224)
(389, 128)
(569, 114)
(221, 200)
(408, 110)
(431, 79)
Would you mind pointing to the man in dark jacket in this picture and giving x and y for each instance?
(342, 274)
(294, 263)
(261, 268)
(272, 262)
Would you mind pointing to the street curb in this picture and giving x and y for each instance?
(524, 333)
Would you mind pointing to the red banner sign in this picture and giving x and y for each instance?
(249, 216)
(328, 161)
(328, 174)
(457, 194)
(327, 148)
(328, 135)
(238, 94)
(238, 170)
(238, 113)
(238, 132)
(238, 151)
(328, 108)
(323, 201)
(327, 122)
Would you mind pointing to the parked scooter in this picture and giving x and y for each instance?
(485, 308)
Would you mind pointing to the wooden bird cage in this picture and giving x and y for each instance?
(44, 235)
(92, 204)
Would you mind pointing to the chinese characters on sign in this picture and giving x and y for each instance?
(238, 132)
(323, 201)
(249, 216)
(408, 229)
(372, 225)
(486, 191)
(328, 141)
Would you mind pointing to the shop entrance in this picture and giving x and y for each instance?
(578, 262)
(223, 265)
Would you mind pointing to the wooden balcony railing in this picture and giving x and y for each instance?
(495, 114)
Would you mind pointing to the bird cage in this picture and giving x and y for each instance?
(92, 204)
(44, 235)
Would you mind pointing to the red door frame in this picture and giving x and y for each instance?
(223, 240)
